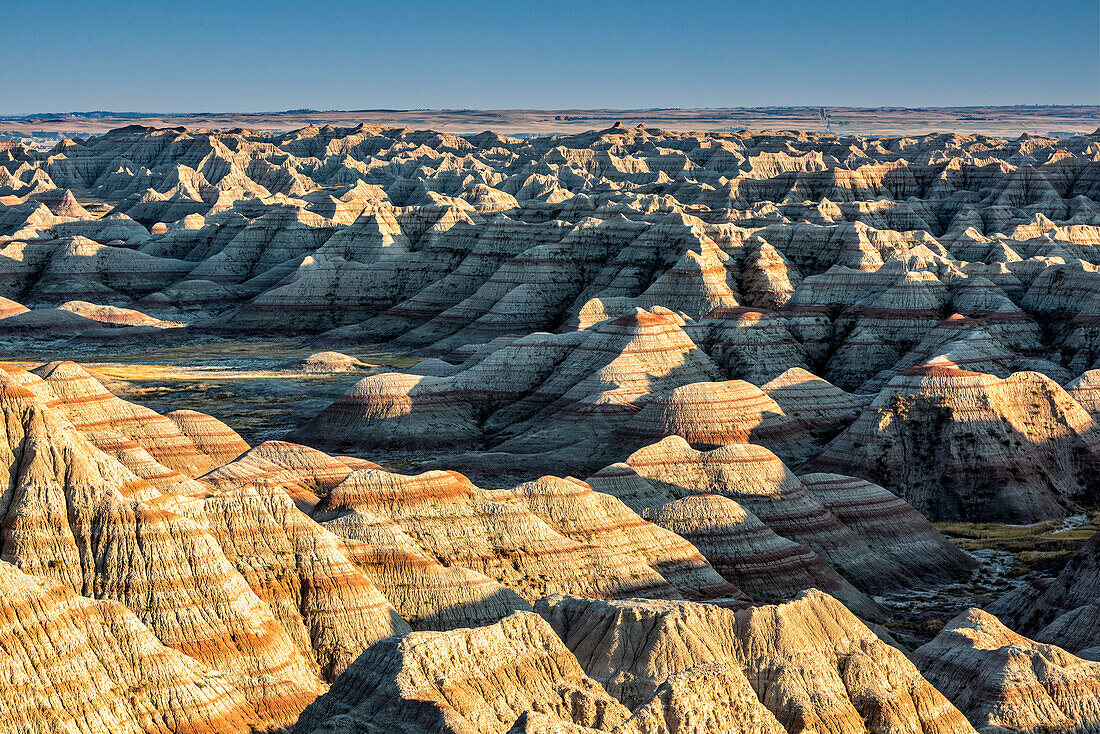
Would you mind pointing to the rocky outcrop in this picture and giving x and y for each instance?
(470, 681)
(1003, 681)
(962, 444)
(101, 416)
(811, 663)
(76, 516)
(457, 523)
(1064, 611)
(70, 663)
(322, 362)
(764, 491)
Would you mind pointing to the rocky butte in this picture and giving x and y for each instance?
(354, 430)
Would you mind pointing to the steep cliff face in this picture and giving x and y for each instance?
(69, 663)
(960, 444)
(239, 580)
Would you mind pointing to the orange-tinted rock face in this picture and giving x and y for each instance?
(95, 412)
(75, 664)
(77, 517)
(775, 356)
(301, 472)
(832, 520)
(459, 524)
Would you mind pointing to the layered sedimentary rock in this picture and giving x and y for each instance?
(74, 664)
(1003, 681)
(889, 525)
(428, 594)
(819, 406)
(465, 681)
(539, 393)
(750, 554)
(717, 413)
(458, 524)
(1064, 611)
(574, 510)
(101, 416)
(687, 319)
(78, 517)
(962, 444)
(851, 258)
(1086, 391)
(811, 663)
(640, 667)
(764, 499)
(326, 605)
(299, 471)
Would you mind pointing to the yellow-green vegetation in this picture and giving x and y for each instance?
(393, 360)
(249, 384)
(217, 350)
(1041, 547)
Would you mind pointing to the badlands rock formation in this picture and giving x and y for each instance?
(110, 670)
(1003, 681)
(812, 664)
(962, 444)
(745, 505)
(637, 667)
(1064, 611)
(642, 429)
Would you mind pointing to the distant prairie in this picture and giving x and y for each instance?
(1006, 121)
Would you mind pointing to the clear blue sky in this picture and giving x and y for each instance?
(202, 55)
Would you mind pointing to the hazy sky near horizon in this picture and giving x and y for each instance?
(210, 56)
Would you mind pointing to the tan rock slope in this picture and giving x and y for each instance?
(745, 507)
(109, 670)
(1003, 681)
(634, 667)
(774, 355)
(106, 420)
(78, 517)
(467, 681)
(535, 540)
(967, 445)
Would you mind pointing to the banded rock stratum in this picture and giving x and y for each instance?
(634, 431)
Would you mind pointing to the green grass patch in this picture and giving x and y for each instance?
(1039, 548)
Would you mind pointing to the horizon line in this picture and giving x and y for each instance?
(313, 111)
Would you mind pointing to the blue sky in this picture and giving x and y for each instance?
(260, 56)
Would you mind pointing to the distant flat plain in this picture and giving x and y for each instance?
(1009, 121)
